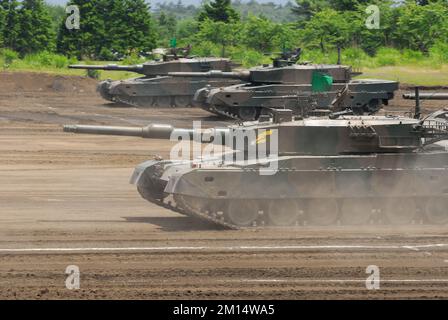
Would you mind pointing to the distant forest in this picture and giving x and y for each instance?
(407, 31)
(271, 10)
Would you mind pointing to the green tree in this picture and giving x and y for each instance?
(11, 23)
(420, 26)
(219, 10)
(327, 28)
(2, 24)
(218, 32)
(186, 28)
(306, 9)
(259, 33)
(348, 5)
(273, 10)
(262, 34)
(287, 37)
(425, 2)
(56, 13)
(372, 39)
(138, 32)
(347, 26)
(36, 32)
(81, 43)
(167, 26)
(109, 29)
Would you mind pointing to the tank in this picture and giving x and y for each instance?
(297, 87)
(349, 170)
(155, 88)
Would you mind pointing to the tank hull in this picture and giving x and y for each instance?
(396, 189)
(246, 102)
(158, 92)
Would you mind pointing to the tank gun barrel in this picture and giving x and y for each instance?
(426, 96)
(241, 75)
(109, 67)
(152, 131)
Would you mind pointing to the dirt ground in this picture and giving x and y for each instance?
(66, 200)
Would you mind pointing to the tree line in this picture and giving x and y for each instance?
(111, 29)
(273, 11)
(415, 24)
(26, 26)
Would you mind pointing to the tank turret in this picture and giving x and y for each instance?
(312, 136)
(161, 68)
(240, 75)
(289, 74)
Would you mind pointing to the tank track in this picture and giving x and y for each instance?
(225, 113)
(131, 102)
(190, 212)
(149, 103)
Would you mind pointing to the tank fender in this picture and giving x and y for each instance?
(169, 168)
(140, 169)
(201, 95)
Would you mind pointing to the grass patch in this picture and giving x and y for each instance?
(407, 66)
(409, 75)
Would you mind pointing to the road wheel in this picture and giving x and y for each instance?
(283, 212)
(356, 212)
(143, 102)
(373, 106)
(242, 213)
(323, 212)
(436, 211)
(164, 101)
(248, 113)
(400, 211)
(182, 101)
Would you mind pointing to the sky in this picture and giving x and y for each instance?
(186, 2)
